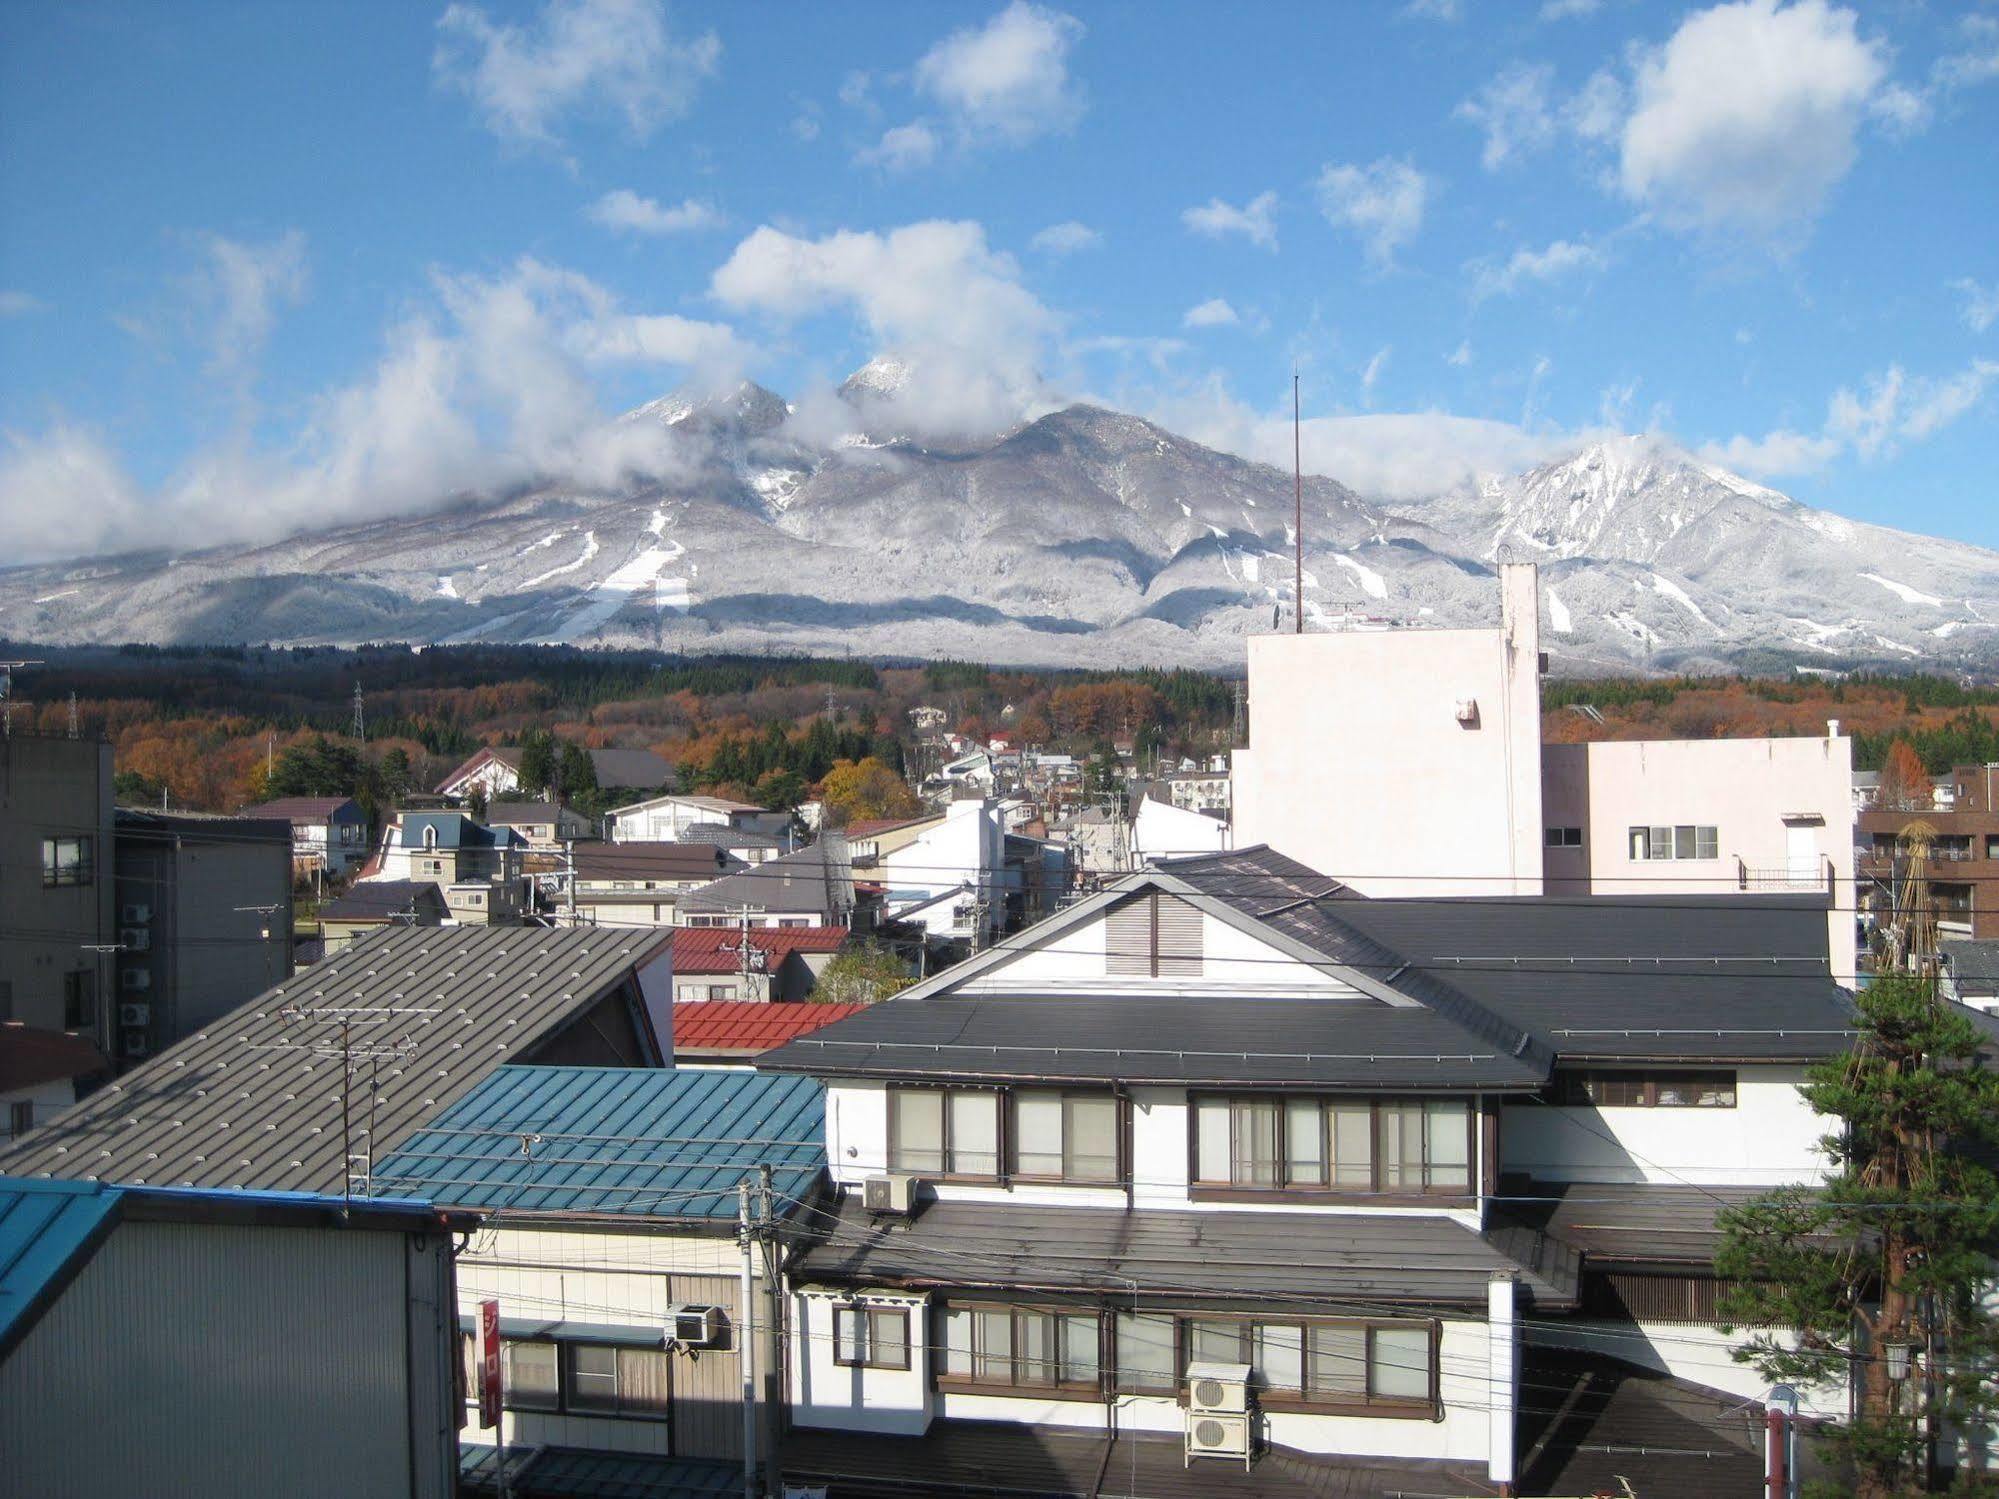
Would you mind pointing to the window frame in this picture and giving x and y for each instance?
(1427, 1406)
(867, 1340)
(1010, 1142)
(1058, 1318)
(565, 1402)
(566, 1368)
(79, 1000)
(1201, 1188)
(1660, 843)
(75, 875)
(510, 1387)
(1563, 836)
(947, 1092)
(1571, 1088)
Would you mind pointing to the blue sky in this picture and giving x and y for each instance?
(264, 265)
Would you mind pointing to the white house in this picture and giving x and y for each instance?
(496, 771)
(1224, 1115)
(1165, 830)
(665, 819)
(946, 878)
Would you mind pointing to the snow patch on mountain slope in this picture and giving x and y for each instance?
(1371, 582)
(1667, 588)
(1904, 592)
(1559, 618)
(590, 549)
(446, 589)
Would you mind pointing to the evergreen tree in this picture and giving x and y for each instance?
(538, 768)
(1882, 1271)
(577, 773)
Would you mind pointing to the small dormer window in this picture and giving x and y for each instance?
(430, 835)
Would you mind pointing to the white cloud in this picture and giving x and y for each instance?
(1434, 10)
(1894, 407)
(1008, 79)
(1561, 258)
(19, 304)
(1380, 204)
(1372, 374)
(241, 287)
(1214, 313)
(1565, 10)
(857, 90)
(1979, 62)
(624, 209)
(902, 148)
(1745, 120)
(1596, 112)
(1256, 220)
(932, 294)
(1156, 352)
(63, 493)
(1459, 357)
(805, 124)
(615, 56)
(1516, 113)
(1981, 304)
(1067, 238)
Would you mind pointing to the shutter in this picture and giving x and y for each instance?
(1128, 937)
(1179, 939)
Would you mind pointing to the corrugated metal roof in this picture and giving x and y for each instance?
(45, 1229)
(1362, 1260)
(818, 878)
(718, 949)
(647, 1142)
(254, 1100)
(746, 1025)
(577, 1473)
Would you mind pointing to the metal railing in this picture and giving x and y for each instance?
(1784, 877)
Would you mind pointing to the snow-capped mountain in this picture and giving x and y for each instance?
(1087, 536)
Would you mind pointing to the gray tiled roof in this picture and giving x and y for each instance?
(1648, 1222)
(1974, 966)
(817, 878)
(380, 900)
(1257, 1258)
(254, 1101)
(729, 836)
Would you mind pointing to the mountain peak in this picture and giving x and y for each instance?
(882, 378)
(748, 407)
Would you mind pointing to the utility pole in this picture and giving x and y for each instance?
(747, 951)
(1297, 511)
(773, 1359)
(72, 714)
(360, 723)
(745, 1341)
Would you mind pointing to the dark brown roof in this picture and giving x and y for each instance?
(30, 1056)
(306, 808)
(640, 861)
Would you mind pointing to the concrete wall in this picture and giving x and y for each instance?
(53, 788)
(967, 847)
(1360, 765)
(237, 1361)
(1164, 831)
(1769, 1138)
(1768, 799)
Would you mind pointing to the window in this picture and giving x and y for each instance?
(1684, 841)
(1020, 1347)
(944, 1131)
(69, 861)
(1565, 837)
(871, 1337)
(1324, 1363)
(1342, 1145)
(1146, 1358)
(1065, 1136)
(1710, 1089)
(529, 1376)
(721, 991)
(617, 1381)
(1992, 845)
(79, 1000)
(20, 1117)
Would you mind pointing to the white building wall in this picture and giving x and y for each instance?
(967, 847)
(1696, 1352)
(1769, 1138)
(1360, 766)
(1164, 831)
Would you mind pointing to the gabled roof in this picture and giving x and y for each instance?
(384, 900)
(254, 1100)
(728, 835)
(747, 1027)
(454, 830)
(30, 1056)
(817, 879)
(639, 861)
(308, 809)
(513, 814)
(717, 949)
(705, 803)
(873, 827)
(628, 769)
(647, 1142)
(1973, 966)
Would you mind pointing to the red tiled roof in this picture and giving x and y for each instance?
(713, 949)
(30, 1057)
(748, 1026)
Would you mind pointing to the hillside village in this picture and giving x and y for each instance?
(1359, 1093)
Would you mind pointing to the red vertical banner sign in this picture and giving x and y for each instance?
(489, 1363)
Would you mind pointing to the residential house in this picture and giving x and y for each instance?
(751, 845)
(225, 1344)
(642, 884)
(1203, 789)
(204, 921)
(974, 771)
(1162, 829)
(372, 905)
(41, 1074)
(329, 833)
(781, 964)
(813, 886)
(734, 1033)
(1970, 973)
(611, 1247)
(55, 884)
(664, 819)
(1098, 839)
(544, 827)
(1963, 851)
(1267, 1124)
(869, 838)
(496, 771)
(1411, 762)
(455, 853)
(261, 1098)
(947, 877)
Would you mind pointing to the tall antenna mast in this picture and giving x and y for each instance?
(360, 724)
(1297, 513)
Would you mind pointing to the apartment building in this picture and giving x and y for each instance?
(56, 890)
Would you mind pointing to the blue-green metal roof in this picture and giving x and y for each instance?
(632, 1141)
(573, 1473)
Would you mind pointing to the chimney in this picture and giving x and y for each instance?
(1832, 728)
(1520, 606)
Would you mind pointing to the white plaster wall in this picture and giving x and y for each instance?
(823, 1393)
(1358, 766)
(1696, 1352)
(1769, 1138)
(1164, 831)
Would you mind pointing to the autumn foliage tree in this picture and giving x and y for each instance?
(860, 790)
(1905, 784)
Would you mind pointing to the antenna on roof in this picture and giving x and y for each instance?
(1297, 511)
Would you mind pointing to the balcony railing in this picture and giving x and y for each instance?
(1785, 877)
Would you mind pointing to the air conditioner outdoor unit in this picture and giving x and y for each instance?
(135, 978)
(137, 1043)
(138, 915)
(894, 1192)
(1218, 1389)
(1217, 1433)
(134, 938)
(696, 1326)
(135, 1014)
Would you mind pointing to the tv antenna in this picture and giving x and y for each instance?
(1297, 511)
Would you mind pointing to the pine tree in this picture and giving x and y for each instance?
(537, 771)
(1881, 1273)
